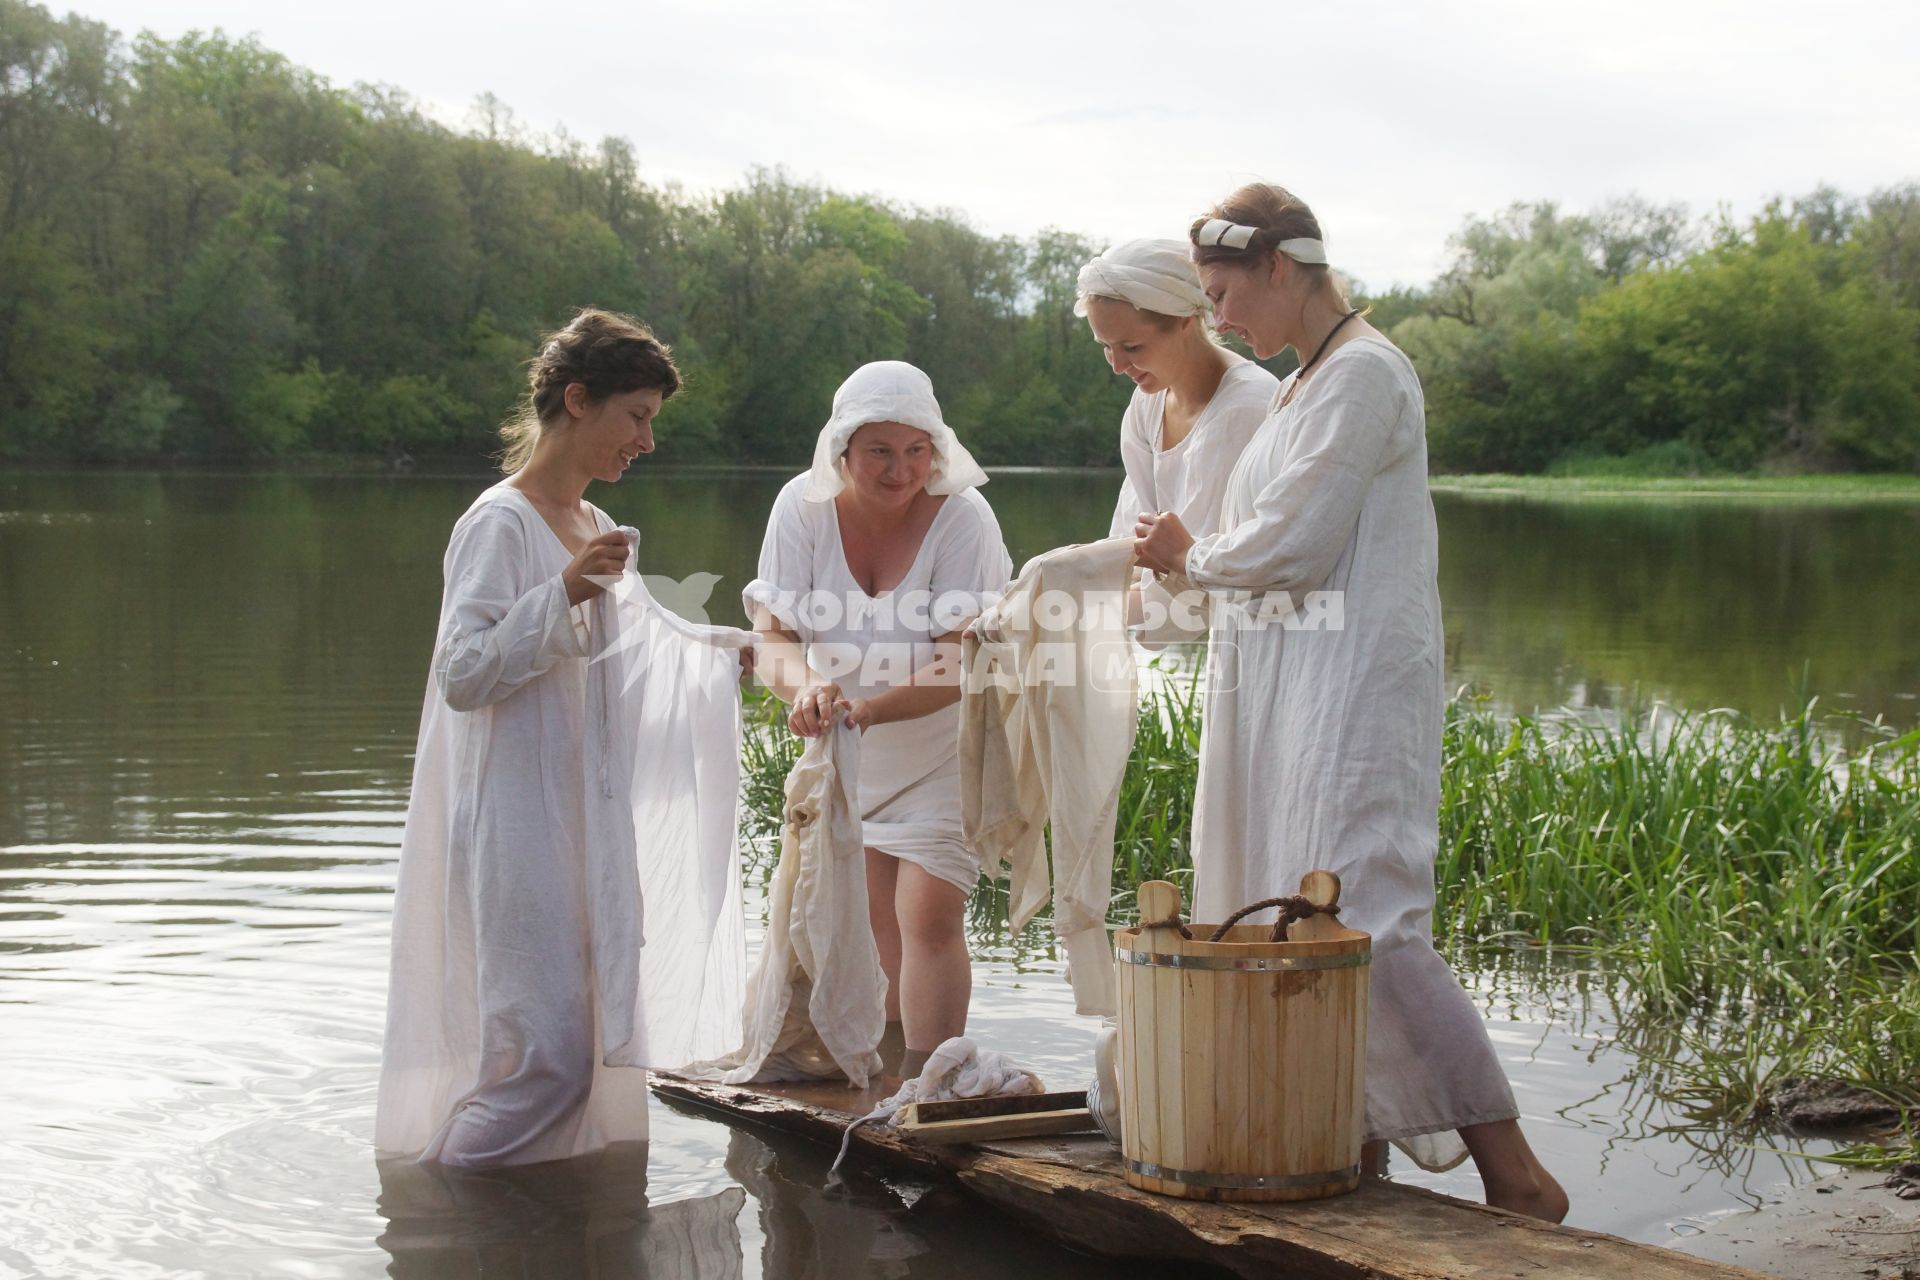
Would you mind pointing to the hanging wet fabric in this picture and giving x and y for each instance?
(677, 686)
(1048, 714)
(816, 1003)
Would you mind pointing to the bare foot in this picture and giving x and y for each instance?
(1542, 1197)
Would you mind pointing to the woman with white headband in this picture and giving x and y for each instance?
(874, 561)
(1321, 738)
(1195, 404)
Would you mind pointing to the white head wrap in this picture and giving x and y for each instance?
(1235, 235)
(889, 391)
(1153, 275)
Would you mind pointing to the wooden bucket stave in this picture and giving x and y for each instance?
(1242, 1062)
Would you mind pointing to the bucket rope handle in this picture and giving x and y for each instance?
(1319, 895)
(1293, 907)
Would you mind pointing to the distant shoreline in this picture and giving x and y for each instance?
(1831, 487)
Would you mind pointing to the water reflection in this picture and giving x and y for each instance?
(781, 1220)
(574, 1218)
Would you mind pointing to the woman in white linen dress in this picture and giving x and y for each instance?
(1321, 739)
(873, 563)
(515, 1032)
(1195, 404)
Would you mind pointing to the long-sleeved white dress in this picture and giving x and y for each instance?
(1321, 742)
(520, 1010)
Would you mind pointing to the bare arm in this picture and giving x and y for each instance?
(780, 660)
(933, 686)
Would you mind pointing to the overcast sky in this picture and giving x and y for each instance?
(1394, 120)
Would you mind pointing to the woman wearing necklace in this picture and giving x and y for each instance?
(1321, 738)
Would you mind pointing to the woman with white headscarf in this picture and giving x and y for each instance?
(1195, 404)
(874, 561)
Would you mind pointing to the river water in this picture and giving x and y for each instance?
(209, 688)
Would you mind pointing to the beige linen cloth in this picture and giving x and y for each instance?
(1048, 713)
(816, 1000)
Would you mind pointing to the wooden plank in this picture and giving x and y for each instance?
(1071, 1188)
(998, 1105)
(1031, 1124)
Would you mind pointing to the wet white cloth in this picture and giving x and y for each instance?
(1188, 478)
(889, 391)
(817, 1000)
(959, 1068)
(679, 697)
(1048, 716)
(1150, 275)
(909, 770)
(1321, 744)
(518, 1015)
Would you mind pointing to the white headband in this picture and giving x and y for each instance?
(1151, 275)
(1234, 235)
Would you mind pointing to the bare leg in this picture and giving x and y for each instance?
(1514, 1177)
(936, 974)
(1373, 1159)
(882, 885)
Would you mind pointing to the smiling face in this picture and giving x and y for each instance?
(1248, 302)
(889, 463)
(1139, 344)
(609, 434)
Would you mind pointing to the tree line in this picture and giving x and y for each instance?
(207, 252)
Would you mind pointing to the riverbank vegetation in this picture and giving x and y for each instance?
(207, 252)
(1745, 888)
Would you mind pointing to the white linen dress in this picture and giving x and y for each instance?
(1321, 746)
(910, 769)
(516, 1018)
(1189, 479)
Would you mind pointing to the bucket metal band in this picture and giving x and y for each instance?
(1254, 964)
(1241, 1181)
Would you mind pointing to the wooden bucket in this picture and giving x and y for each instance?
(1242, 1062)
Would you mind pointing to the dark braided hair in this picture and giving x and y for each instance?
(605, 352)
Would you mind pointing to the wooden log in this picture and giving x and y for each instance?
(1071, 1188)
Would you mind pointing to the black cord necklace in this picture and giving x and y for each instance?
(1321, 350)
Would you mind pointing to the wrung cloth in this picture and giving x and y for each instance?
(521, 1005)
(1048, 718)
(1320, 744)
(816, 1001)
(1150, 275)
(889, 391)
(959, 1068)
(909, 789)
(1188, 478)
